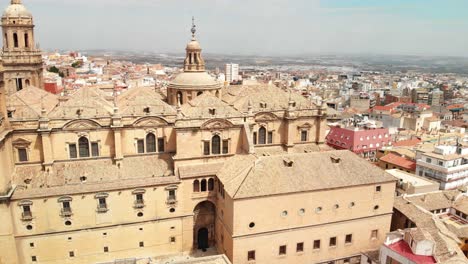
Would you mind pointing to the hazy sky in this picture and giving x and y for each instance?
(266, 27)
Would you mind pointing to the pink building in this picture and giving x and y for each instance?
(361, 141)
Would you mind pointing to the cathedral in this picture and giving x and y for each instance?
(238, 170)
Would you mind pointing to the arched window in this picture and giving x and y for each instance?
(26, 40)
(150, 143)
(15, 39)
(83, 146)
(180, 100)
(196, 186)
(203, 185)
(28, 83)
(6, 40)
(262, 135)
(211, 184)
(216, 145)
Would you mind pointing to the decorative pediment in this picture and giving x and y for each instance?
(151, 121)
(83, 124)
(304, 126)
(21, 143)
(217, 124)
(265, 116)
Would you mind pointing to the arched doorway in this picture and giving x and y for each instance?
(204, 216)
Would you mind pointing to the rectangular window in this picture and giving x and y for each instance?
(304, 136)
(282, 250)
(172, 239)
(27, 215)
(332, 241)
(300, 247)
(428, 160)
(66, 206)
(316, 244)
(255, 138)
(172, 195)
(139, 199)
(225, 146)
(33, 258)
(22, 155)
(374, 234)
(72, 150)
(378, 188)
(141, 146)
(106, 249)
(206, 148)
(71, 254)
(95, 149)
(270, 137)
(348, 238)
(441, 163)
(141, 244)
(251, 255)
(161, 145)
(102, 205)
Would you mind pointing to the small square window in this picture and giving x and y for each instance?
(173, 240)
(71, 254)
(31, 244)
(282, 250)
(106, 249)
(332, 241)
(349, 238)
(378, 188)
(300, 247)
(33, 258)
(374, 234)
(317, 244)
(142, 244)
(251, 255)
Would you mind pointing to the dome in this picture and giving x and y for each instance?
(193, 45)
(195, 80)
(16, 9)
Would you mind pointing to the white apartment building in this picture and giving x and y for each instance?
(232, 72)
(447, 165)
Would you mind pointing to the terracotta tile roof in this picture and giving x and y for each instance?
(407, 143)
(400, 161)
(245, 175)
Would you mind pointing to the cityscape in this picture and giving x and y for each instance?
(192, 156)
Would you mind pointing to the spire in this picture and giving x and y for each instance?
(194, 28)
(16, 2)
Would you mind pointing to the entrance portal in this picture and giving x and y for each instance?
(204, 216)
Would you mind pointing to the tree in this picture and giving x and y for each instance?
(76, 64)
(54, 69)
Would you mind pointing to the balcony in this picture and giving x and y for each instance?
(26, 216)
(66, 212)
(139, 204)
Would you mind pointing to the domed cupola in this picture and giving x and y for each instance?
(194, 80)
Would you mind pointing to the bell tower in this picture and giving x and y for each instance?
(21, 59)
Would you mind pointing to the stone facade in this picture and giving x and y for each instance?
(86, 178)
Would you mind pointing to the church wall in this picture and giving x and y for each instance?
(268, 213)
(120, 222)
(130, 137)
(34, 150)
(6, 164)
(266, 245)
